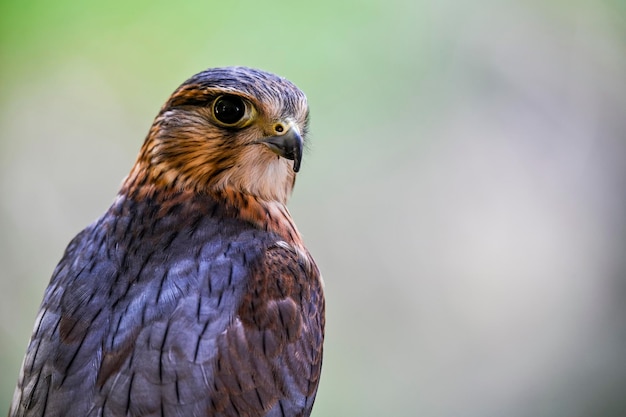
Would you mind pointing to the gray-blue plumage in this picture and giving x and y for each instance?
(138, 309)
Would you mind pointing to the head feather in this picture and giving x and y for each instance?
(187, 149)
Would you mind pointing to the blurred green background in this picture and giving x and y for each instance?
(464, 193)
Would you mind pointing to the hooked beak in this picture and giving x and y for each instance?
(288, 145)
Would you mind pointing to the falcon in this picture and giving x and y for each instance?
(193, 295)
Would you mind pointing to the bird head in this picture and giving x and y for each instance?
(228, 128)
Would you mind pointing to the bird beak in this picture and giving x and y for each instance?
(288, 145)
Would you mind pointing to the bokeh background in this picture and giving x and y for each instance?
(464, 193)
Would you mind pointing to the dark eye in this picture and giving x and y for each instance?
(229, 109)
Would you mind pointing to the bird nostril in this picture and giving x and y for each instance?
(279, 128)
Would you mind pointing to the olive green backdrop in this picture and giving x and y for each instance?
(464, 193)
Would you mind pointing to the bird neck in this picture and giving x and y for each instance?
(270, 179)
(270, 215)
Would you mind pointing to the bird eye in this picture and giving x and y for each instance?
(229, 109)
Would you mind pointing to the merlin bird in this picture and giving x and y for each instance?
(193, 295)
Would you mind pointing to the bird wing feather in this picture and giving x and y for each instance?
(175, 312)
